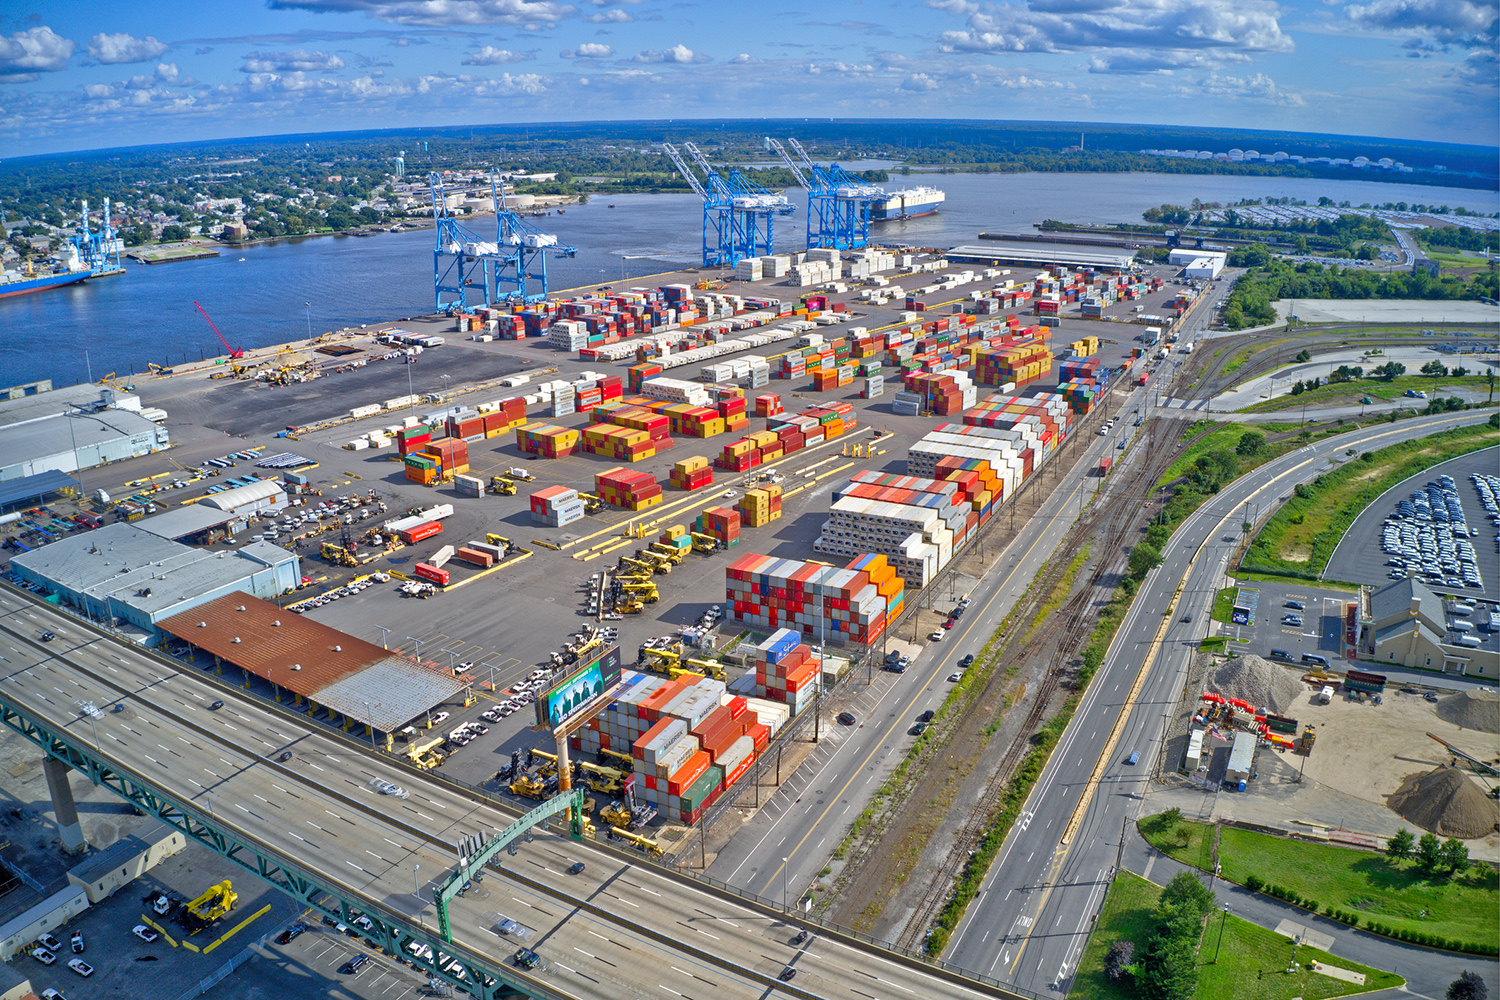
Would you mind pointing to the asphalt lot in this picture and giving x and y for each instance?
(1359, 557)
(1320, 632)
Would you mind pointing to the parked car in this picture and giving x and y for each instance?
(50, 943)
(846, 718)
(43, 955)
(291, 933)
(81, 967)
(145, 933)
(77, 942)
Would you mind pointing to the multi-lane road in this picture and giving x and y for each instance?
(1032, 916)
(617, 928)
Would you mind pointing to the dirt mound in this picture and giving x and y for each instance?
(1258, 681)
(1472, 710)
(1446, 802)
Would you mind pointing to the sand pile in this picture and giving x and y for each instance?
(1446, 802)
(1258, 681)
(1472, 710)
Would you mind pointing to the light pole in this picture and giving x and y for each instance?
(384, 634)
(444, 377)
(783, 886)
(410, 392)
(416, 888)
(451, 657)
(419, 646)
(368, 724)
(1223, 915)
(309, 319)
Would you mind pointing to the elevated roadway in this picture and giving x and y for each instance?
(1033, 914)
(315, 827)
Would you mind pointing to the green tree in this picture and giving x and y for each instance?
(1303, 357)
(1459, 372)
(1399, 846)
(1185, 890)
(173, 234)
(1169, 968)
(1251, 443)
(1468, 986)
(1298, 388)
(1143, 559)
(1455, 855)
(1435, 368)
(1389, 371)
(1429, 852)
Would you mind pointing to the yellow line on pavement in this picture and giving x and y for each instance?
(237, 928)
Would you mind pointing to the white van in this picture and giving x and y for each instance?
(1460, 626)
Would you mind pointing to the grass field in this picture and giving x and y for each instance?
(1251, 960)
(1376, 389)
(1300, 537)
(1224, 604)
(1465, 907)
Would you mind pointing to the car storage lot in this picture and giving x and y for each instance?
(1319, 634)
(1360, 559)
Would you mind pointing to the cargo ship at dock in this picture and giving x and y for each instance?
(907, 203)
(19, 283)
(87, 254)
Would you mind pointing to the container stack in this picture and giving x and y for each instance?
(410, 440)
(451, 455)
(564, 400)
(691, 473)
(546, 440)
(627, 490)
(768, 405)
(1019, 364)
(505, 415)
(556, 506)
(636, 375)
(732, 409)
(1078, 368)
(1084, 347)
(674, 390)
(872, 387)
(568, 335)
(946, 393)
(722, 523)
(623, 444)
(787, 671)
(819, 600)
(759, 507)
(421, 469)
(906, 404)
(469, 486)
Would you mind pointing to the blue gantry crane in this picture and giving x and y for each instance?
(498, 269)
(98, 250)
(839, 206)
(738, 214)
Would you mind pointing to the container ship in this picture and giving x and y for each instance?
(69, 272)
(87, 254)
(908, 203)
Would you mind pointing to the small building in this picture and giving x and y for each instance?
(48, 915)
(268, 496)
(14, 985)
(1241, 759)
(132, 577)
(126, 860)
(1404, 623)
(1193, 759)
(1203, 264)
(194, 524)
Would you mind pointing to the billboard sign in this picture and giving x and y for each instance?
(578, 690)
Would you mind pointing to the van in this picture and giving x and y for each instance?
(1460, 626)
(1281, 654)
(1314, 658)
(1471, 641)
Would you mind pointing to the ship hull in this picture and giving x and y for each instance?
(909, 204)
(28, 285)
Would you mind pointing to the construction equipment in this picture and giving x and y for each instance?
(659, 562)
(643, 591)
(425, 754)
(502, 486)
(337, 554)
(495, 539)
(157, 369)
(643, 566)
(574, 652)
(607, 754)
(704, 543)
(1475, 764)
(673, 555)
(710, 284)
(529, 787)
(216, 901)
(604, 780)
(591, 504)
(234, 352)
(646, 844)
(1305, 745)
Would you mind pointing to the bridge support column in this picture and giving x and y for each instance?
(68, 827)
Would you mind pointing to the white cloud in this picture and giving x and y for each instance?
(25, 54)
(743, 59)
(122, 48)
(676, 54)
(1259, 88)
(491, 56)
(589, 50)
(919, 82)
(98, 90)
(612, 16)
(1457, 22)
(1213, 32)
(439, 13)
(295, 61)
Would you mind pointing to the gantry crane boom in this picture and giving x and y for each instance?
(791, 165)
(682, 168)
(234, 352)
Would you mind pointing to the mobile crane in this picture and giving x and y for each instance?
(674, 555)
(216, 901)
(501, 486)
(644, 566)
(627, 812)
(234, 352)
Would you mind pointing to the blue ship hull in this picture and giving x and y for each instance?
(42, 283)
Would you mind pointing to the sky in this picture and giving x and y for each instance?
(84, 75)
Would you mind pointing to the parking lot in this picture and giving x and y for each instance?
(1274, 627)
(1398, 535)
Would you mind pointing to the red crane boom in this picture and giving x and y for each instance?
(234, 352)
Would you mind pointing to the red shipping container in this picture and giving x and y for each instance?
(418, 532)
(432, 573)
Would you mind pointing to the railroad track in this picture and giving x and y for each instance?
(1110, 519)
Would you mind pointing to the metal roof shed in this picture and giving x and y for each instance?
(1241, 757)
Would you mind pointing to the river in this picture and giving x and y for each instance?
(276, 292)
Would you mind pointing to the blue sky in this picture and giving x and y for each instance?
(80, 75)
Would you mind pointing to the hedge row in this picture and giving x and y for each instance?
(1255, 884)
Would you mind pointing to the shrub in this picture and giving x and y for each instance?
(1121, 956)
(1253, 883)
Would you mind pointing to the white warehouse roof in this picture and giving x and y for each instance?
(241, 496)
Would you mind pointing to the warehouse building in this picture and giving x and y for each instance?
(265, 497)
(76, 428)
(1044, 255)
(1203, 264)
(1405, 624)
(133, 578)
(194, 524)
(353, 679)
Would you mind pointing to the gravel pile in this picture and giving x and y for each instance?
(1257, 680)
(1446, 802)
(1472, 710)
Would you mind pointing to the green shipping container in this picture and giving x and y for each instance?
(696, 795)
